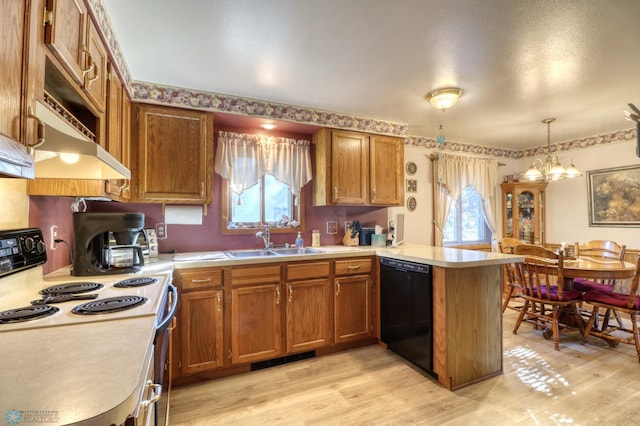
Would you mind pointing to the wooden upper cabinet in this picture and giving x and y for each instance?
(349, 167)
(118, 131)
(95, 80)
(76, 44)
(357, 169)
(174, 150)
(66, 35)
(386, 170)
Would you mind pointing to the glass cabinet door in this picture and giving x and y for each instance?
(526, 217)
(508, 202)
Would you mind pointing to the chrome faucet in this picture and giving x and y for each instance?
(265, 235)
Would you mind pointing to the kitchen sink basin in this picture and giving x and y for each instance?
(234, 254)
(248, 253)
(294, 250)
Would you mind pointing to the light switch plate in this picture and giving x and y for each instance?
(332, 227)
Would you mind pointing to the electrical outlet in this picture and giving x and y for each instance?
(161, 230)
(53, 236)
(332, 227)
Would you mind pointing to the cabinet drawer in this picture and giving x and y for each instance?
(301, 271)
(255, 274)
(199, 278)
(353, 266)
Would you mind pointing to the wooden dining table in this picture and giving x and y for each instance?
(592, 268)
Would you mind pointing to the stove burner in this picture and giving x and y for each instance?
(27, 313)
(109, 305)
(136, 282)
(72, 288)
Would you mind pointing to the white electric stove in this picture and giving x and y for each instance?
(27, 293)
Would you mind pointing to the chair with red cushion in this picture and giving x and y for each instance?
(542, 281)
(598, 249)
(620, 304)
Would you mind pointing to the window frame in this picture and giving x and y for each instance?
(225, 199)
(458, 230)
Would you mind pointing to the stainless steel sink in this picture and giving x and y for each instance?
(248, 253)
(294, 250)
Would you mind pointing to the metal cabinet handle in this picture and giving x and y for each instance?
(202, 188)
(337, 288)
(373, 194)
(90, 62)
(290, 293)
(205, 280)
(353, 267)
(335, 192)
(277, 296)
(40, 132)
(156, 392)
(219, 302)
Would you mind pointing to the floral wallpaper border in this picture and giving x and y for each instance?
(162, 94)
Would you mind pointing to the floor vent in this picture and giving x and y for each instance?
(282, 360)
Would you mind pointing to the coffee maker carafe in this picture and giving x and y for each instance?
(106, 243)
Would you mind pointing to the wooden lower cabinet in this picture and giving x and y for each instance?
(308, 306)
(230, 317)
(256, 313)
(256, 323)
(198, 339)
(353, 294)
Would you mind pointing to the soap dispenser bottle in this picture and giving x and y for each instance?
(299, 241)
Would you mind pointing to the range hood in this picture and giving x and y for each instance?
(14, 159)
(60, 139)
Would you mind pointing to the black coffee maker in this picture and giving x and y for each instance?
(106, 243)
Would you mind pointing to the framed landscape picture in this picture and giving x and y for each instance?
(614, 196)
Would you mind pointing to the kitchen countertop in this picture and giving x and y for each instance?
(90, 373)
(437, 256)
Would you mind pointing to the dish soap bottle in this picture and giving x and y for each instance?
(299, 241)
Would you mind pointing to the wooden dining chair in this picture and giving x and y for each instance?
(598, 249)
(542, 284)
(620, 304)
(512, 284)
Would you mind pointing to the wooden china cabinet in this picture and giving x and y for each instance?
(523, 211)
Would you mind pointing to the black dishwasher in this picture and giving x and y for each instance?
(406, 313)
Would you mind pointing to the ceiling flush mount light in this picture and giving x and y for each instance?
(268, 126)
(551, 168)
(444, 99)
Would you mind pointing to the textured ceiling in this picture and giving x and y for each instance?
(518, 61)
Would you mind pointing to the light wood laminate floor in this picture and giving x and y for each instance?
(588, 384)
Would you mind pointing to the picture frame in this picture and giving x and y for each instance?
(614, 196)
(412, 185)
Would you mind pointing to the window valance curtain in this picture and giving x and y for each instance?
(244, 159)
(452, 174)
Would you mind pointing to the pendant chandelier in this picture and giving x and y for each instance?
(551, 168)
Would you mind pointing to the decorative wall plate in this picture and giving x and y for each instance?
(411, 203)
(412, 185)
(411, 168)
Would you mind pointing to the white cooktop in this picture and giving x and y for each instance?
(19, 289)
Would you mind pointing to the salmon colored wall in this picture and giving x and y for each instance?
(47, 211)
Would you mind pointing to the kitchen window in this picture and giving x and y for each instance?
(263, 179)
(466, 223)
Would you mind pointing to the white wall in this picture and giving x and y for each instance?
(567, 213)
(14, 204)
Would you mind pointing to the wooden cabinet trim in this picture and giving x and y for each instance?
(353, 266)
(300, 271)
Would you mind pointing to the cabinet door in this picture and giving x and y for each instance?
(95, 80)
(349, 167)
(65, 33)
(200, 328)
(352, 311)
(386, 171)
(12, 68)
(256, 318)
(117, 140)
(175, 155)
(307, 314)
